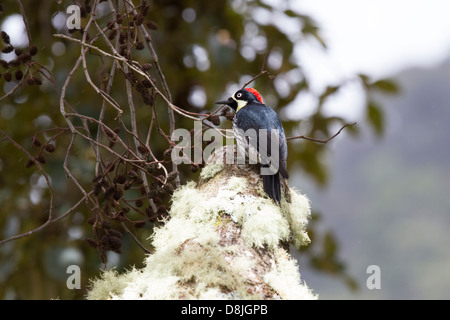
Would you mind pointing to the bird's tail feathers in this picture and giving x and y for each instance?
(272, 186)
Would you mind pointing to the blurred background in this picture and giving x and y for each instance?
(378, 191)
(387, 199)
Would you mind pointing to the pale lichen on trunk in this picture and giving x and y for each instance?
(224, 239)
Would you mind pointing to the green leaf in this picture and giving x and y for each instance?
(291, 13)
(365, 79)
(329, 245)
(375, 117)
(351, 283)
(386, 85)
(328, 92)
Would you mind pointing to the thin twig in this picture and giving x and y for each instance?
(325, 140)
(135, 238)
(25, 20)
(69, 173)
(162, 77)
(47, 180)
(262, 72)
(10, 92)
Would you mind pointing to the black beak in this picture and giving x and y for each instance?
(228, 102)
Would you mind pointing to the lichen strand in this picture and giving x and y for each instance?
(109, 284)
(222, 241)
(211, 170)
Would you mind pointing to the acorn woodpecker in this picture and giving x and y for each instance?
(259, 131)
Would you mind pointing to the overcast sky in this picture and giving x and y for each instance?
(381, 37)
(375, 37)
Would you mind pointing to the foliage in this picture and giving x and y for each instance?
(86, 118)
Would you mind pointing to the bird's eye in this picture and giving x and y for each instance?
(239, 95)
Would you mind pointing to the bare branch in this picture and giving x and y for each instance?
(325, 140)
(261, 73)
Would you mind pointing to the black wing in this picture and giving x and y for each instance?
(260, 116)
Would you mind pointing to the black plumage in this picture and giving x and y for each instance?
(252, 114)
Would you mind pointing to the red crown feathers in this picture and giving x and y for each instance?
(256, 93)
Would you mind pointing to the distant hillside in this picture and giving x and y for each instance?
(388, 201)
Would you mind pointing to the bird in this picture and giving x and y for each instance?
(252, 114)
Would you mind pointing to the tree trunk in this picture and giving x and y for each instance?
(224, 239)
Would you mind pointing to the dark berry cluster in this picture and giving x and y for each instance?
(124, 197)
(23, 60)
